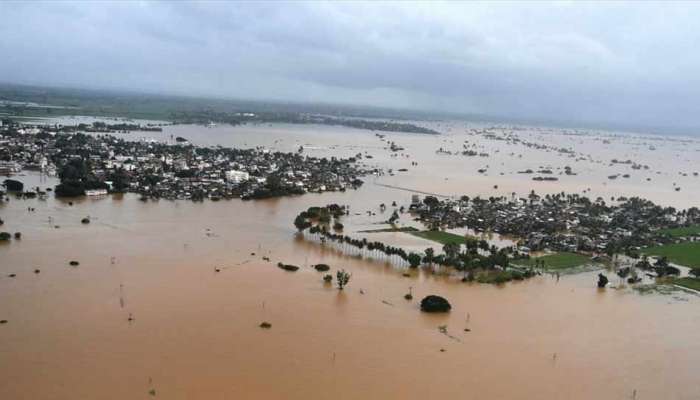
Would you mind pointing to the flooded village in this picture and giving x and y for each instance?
(98, 164)
(562, 222)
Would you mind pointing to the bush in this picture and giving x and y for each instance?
(322, 267)
(4, 236)
(265, 325)
(435, 303)
(287, 267)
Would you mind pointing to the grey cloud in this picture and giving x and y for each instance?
(621, 63)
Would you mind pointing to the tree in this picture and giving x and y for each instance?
(76, 176)
(414, 259)
(14, 185)
(435, 303)
(429, 255)
(74, 170)
(120, 180)
(661, 262)
(602, 280)
(394, 217)
(69, 189)
(301, 223)
(431, 201)
(451, 250)
(342, 278)
(273, 182)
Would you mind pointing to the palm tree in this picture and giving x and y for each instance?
(429, 255)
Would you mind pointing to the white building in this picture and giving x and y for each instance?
(237, 176)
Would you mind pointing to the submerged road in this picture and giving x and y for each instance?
(413, 190)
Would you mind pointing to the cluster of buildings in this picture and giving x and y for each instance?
(94, 164)
(560, 222)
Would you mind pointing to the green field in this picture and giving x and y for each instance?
(684, 231)
(402, 229)
(690, 283)
(557, 261)
(686, 254)
(440, 236)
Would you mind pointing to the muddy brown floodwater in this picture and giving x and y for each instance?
(145, 314)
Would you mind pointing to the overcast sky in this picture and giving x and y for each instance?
(626, 63)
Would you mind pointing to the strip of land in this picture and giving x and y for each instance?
(688, 282)
(440, 236)
(435, 236)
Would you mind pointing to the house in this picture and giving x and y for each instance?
(237, 176)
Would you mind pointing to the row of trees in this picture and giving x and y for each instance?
(478, 255)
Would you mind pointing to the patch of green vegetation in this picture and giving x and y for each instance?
(654, 288)
(687, 253)
(563, 260)
(687, 282)
(440, 236)
(498, 277)
(683, 231)
(392, 229)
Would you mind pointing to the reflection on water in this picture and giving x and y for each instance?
(194, 331)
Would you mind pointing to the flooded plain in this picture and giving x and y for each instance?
(146, 315)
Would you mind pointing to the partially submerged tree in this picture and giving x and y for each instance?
(342, 278)
(13, 185)
(602, 280)
(429, 255)
(301, 223)
(414, 259)
(435, 303)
